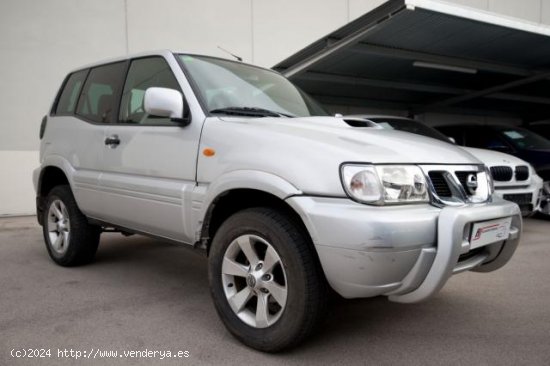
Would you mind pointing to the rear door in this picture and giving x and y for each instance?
(76, 130)
(148, 162)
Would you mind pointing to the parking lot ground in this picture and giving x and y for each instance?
(141, 294)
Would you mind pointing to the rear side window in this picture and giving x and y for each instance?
(69, 96)
(145, 73)
(99, 99)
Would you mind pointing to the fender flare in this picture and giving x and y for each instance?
(56, 161)
(240, 179)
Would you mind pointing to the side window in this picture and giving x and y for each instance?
(145, 73)
(100, 93)
(69, 96)
(484, 139)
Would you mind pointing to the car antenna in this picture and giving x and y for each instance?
(226, 51)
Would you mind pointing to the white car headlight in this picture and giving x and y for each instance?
(385, 184)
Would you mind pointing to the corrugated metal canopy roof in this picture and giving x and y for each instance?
(423, 55)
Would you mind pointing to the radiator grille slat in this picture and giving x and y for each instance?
(502, 173)
(519, 198)
(440, 184)
(522, 172)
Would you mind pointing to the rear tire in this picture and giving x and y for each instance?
(70, 239)
(265, 280)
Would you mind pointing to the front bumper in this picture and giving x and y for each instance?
(528, 198)
(404, 252)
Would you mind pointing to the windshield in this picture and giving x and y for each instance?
(411, 126)
(229, 87)
(524, 139)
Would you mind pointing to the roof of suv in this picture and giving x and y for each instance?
(165, 53)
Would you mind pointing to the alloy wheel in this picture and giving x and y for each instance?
(254, 281)
(59, 227)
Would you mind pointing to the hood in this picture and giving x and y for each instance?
(352, 141)
(308, 152)
(494, 158)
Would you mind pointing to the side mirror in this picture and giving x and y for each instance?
(164, 102)
(452, 139)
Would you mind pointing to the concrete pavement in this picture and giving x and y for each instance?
(141, 294)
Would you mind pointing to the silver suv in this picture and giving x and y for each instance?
(287, 201)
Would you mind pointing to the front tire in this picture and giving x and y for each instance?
(70, 239)
(265, 280)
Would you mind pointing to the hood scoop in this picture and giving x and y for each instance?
(361, 122)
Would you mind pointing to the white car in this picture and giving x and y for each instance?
(514, 179)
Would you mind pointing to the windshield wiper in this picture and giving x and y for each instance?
(249, 111)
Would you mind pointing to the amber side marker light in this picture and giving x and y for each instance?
(209, 152)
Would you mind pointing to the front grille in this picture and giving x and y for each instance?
(449, 184)
(463, 178)
(502, 173)
(440, 184)
(519, 198)
(522, 172)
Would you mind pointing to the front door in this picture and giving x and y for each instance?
(149, 162)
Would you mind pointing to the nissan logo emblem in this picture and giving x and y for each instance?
(471, 183)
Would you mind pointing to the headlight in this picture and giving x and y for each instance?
(361, 183)
(384, 184)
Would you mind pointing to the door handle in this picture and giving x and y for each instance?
(112, 141)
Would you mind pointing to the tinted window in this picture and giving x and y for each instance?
(524, 139)
(485, 138)
(143, 74)
(541, 129)
(69, 96)
(99, 97)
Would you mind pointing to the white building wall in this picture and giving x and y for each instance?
(197, 26)
(283, 27)
(40, 41)
(356, 8)
(545, 12)
(525, 9)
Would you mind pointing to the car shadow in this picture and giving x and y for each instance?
(366, 320)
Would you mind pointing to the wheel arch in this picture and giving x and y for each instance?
(231, 201)
(52, 174)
